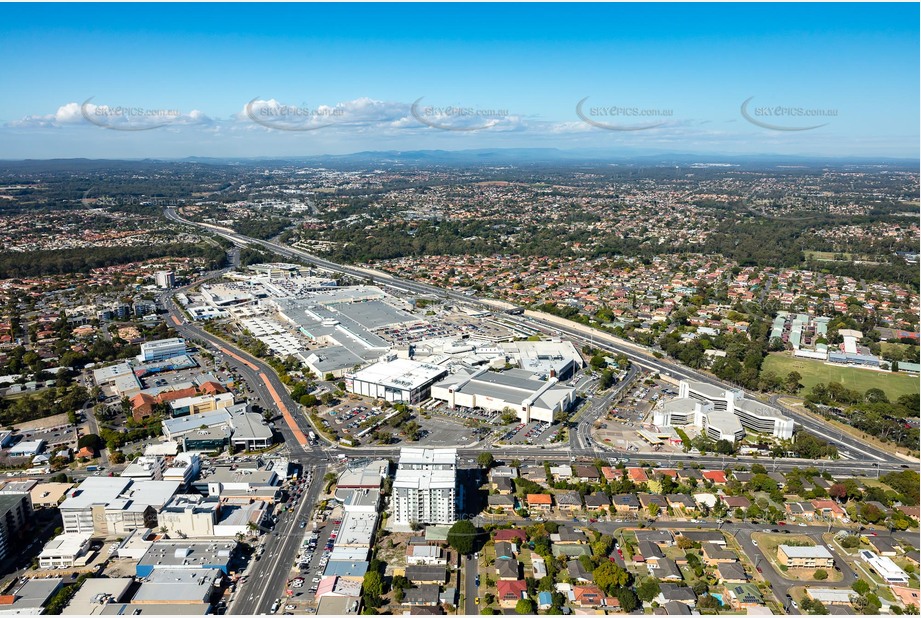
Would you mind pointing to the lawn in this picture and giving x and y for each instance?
(815, 371)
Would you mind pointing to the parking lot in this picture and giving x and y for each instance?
(534, 433)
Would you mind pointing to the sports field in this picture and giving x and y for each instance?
(814, 371)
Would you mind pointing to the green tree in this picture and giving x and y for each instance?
(860, 587)
(648, 589)
(525, 606)
(609, 577)
(462, 536)
(373, 585)
(820, 574)
(485, 460)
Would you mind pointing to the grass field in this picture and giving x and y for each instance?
(815, 371)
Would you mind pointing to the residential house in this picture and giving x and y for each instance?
(503, 486)
(513, 535)
(586, 596)
(810, 557)
(423, 574)
(586, 474)
(688, 474)
(598, 501)
(506, 504)
(731, 573)
(744, 596)
(681, 501)
(704, 536)
(714, 554)
(504, 550)
(882, 546)
(426, 555)
(648, 553)
(674, 592)
(665, 569)
(578, 572)
(717, 477)
(507, 569)
(736, 502)
(540, 502)
(626, 503)
(569, 501)
(829, 508)
(509, 592)
(611, 474)
(648, 499)
(800, 509)
(425, 594)
(637, 475)
(662, 538)
(567, 535)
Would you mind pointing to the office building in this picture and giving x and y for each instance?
(165, 279)
(425, 486)
(753, 415)
(64, 551)
(115, 506)
(161, 349)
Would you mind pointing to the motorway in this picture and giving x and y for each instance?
(856, 455)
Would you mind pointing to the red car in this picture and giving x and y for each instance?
(759, 570)
(781, 523)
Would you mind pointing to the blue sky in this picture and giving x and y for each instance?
(176, 80)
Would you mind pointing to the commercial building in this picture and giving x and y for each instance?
(395, 379)
(190, 515)
(165, 279)
(64, 551)
(114, 506)
(531, 397)
(27, 448)
(187, 555)
(200, 404)
(31, 597)
(213, 431)
(15, 518)
(552, 358)
(178, 586)
(425, 486)
(717, 424)
(161, 349)
(48, 495)
(98, 594)
(810, 557)
(753, 415)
